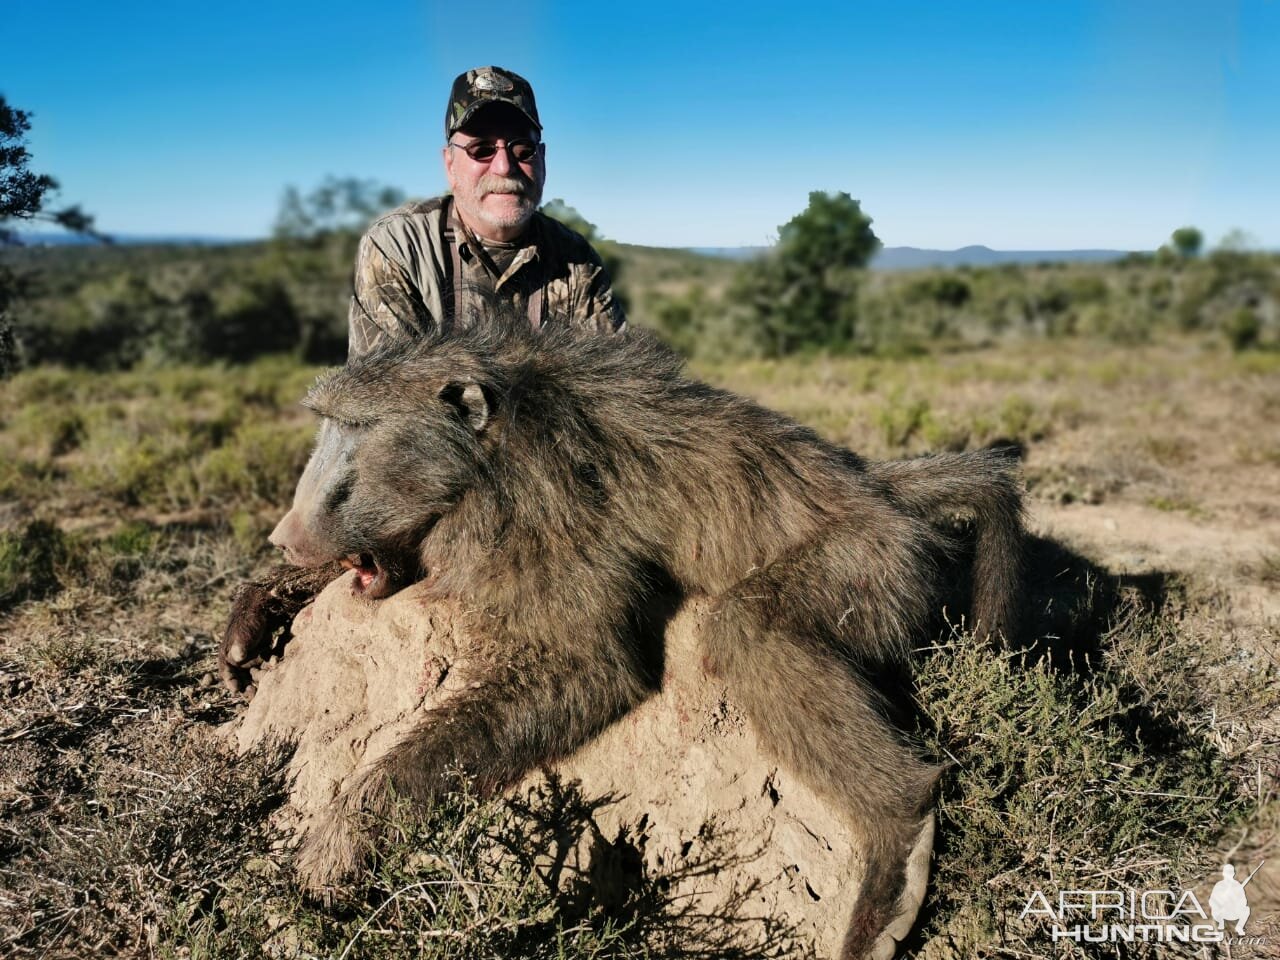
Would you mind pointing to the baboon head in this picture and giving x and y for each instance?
(398, 446)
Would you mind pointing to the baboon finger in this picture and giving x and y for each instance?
(235, 678)
(259, 610)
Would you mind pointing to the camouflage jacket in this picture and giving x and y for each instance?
(416, 271)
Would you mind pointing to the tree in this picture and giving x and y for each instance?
(312, 251)
(22, 197)
(831, 232)
(557, 209)
(338, 205)
(1187, 241)
(803, 293)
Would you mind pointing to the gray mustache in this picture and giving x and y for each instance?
(492, 183)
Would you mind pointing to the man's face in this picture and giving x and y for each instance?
(495, 197)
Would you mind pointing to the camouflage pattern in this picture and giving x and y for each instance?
(485, 85)
(404, 259)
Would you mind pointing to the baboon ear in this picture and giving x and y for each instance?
(471, 402)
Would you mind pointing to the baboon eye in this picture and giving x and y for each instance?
(340, 493)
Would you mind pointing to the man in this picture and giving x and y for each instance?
(431, 265)
(436, 265)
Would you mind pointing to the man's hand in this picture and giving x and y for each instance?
(260, 610)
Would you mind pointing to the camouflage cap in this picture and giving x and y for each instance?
(485, 85)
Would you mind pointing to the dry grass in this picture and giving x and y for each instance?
(1136, 741)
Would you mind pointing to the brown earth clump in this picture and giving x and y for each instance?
(681, 785)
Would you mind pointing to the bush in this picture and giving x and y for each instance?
(945, 290)
(1243, 329)
(261, 464)
(1062, 776)
(29, 562)
(804, 293)
(677, 320)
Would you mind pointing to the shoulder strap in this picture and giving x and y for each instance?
(536, 307)
(451, 294)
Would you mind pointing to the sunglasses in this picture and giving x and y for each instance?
(523, 150)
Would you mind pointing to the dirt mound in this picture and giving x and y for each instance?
(688, 788)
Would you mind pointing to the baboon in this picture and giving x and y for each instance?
(554, 482)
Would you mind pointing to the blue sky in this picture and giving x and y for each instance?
(1027, 125)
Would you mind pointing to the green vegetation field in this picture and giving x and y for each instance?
(1134, 743)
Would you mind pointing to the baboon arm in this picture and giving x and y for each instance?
(259, 610)
(504, 727)
(537, 709)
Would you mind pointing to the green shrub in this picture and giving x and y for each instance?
(1020, 419)
(1243, 329)
(29, 562)
(1059, 777)
(261, 464)
(121, 556)
(899, 420)
(679, 319)
(46, 430)
(250, 529)
(137, 470)
(943, 289)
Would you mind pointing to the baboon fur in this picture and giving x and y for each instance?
(554, 482)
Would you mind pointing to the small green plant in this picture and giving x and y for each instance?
(1059, 776)
(1019, 419)
(900, 420)
(1174, 504)
(261, 464)
(249, 530)
(1169, 450)
(120, 557)
(1243, 329)
(29, 562)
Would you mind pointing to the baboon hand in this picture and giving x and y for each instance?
(255, 617)
(260, 610)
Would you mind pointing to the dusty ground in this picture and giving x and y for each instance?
(1159, 464)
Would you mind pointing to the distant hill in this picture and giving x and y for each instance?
(890, 258)
(915, 258)
(51, 239)
(729, 253)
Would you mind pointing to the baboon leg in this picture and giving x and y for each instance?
(544, 702)
(982, 483)
(827, 725)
